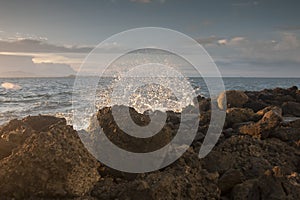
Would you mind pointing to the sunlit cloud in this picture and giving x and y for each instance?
(222, 42)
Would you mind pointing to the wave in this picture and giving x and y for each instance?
(10, 86)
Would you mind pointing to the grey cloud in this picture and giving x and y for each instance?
(254, 57)
(208, 40)
(22, 66)
(29, 45)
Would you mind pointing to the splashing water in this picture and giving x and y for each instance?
(10, 86)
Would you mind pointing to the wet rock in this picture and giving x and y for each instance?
(204, 104)
(291, 108)
(233, 98)
(128, 142)
(262, 128)
(53, 163)
(43, 123)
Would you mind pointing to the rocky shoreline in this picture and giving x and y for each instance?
(256, 157)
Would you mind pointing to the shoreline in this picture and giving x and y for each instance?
(257, 155)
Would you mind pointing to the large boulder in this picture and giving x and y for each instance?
(50, 161)
(234, 98)
(125, 140)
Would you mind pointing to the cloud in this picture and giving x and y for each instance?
(280, 54)
(208, 40)
(233, 41)
(23, 66)
(222, 42)
(215, 41)
(29, 45)
(237, 40)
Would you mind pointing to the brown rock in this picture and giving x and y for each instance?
(5, 148)
(128, 142)
(233, 98)
(252, 156)
(262, 128)
(171, 183)
(291, 108)
(228, 180)
(53, 163)
(246, 190)
(238, 115)
(262, 112)
(204, 104)
(218, 162)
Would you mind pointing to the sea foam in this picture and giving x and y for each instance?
(10, 86)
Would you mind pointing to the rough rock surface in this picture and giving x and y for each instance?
(234, 98)
(271, 97)
(184, 179)
(239, 115)
(130, 143)
(256, 157)
(46, 158)
(262, 128)
(291, 108)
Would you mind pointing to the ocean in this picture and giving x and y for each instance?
(20, 97)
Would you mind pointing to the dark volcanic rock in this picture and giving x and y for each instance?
(229, 179)
(128, 142)
(256, 157)
(238, 115)
(268, 97)
(291, 108)
(271, 185)
(184, 179)
(52, 163)
(252, 156)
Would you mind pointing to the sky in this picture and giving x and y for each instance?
(245, 38)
